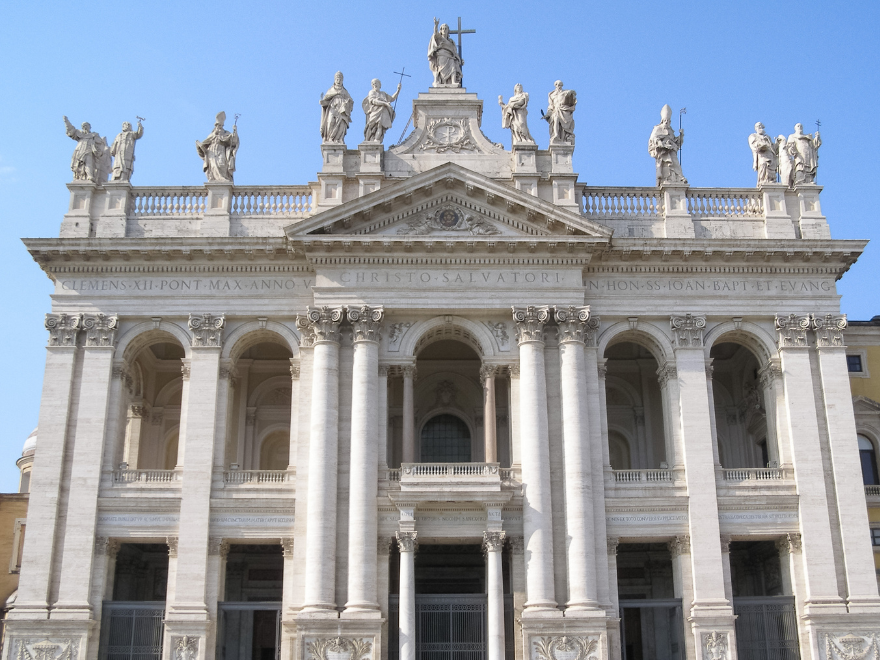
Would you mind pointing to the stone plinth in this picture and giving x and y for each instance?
(678, 220)
(813, 223)
(77, 220)
(777, 219)
(115, 210)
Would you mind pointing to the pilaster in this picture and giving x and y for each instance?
(332, 175)
(114, 211)
(370, 175)
(675, 211)
(216, 220)
(777, 218)
(562, 176)
(525, 167)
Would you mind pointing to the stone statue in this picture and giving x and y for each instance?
(380, 113)
(123, 151)
(804, 149)
(784, 161)
(560, 114)
(218, 151)
(663, 145)
(514, 115)
(88, 162)
(336, 107)
(764, 159)
(443, 58)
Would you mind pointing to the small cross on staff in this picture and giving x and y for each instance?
(401, 74)
(460, 32)
(681, 112)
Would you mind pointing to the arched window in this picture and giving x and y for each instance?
(445, 439)
(869, 461)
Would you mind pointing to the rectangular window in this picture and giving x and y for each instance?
(875, 536)
(854, 363)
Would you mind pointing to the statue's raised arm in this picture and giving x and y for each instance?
(443, 58)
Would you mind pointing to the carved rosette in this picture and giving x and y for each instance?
(366, 321)
(714, 645)
(529, 322)
(331, 648)
(207, 330)
(493, 541)
(851, 645)
(566, 647)
(680, 545)
(666, 373)
(320, 325)
(100, 330)
(185, 647)
(687, 330)
(572, 322)
(63, 328)
(407, 541)
(792, 330)
(829, 330)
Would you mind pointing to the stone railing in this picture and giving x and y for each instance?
(168, 202)
(872, 491)
(257, 477)
(752, 474)
(392, 474)
(621, 203)
(725, 203)
(284, 201)
(643, 476)
(145, 477)
(416, 470)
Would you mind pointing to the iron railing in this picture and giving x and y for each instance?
(132, 630)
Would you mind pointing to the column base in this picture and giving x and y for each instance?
(361, 611)
(541, 610)
(317, 612)
(584, 611)
(355, 638)
(548, 639)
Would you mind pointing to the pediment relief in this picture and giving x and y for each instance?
(449, 135)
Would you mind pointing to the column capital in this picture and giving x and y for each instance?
(407, 541)
(514, 370)
(287, 544)
(218, 546)
(573, 324)
(228, 370)
(602, 368)
(666, 373)
(409, 371)
(613, 542)
(207, 330)
(106, 546)
(529, 322)
(687, 330)
(489, 371)
(710, 370)
(790, 543)
(383, 370)
(829, 330)
(366, 322)
(171, 541)
(517, 546)
(184, 368)
(100, 330)
(725, 544)
(63, 329)
(294, 369)
(792, 330)
(770, 372)
(680, 545)
(493, 541)
(320, 325)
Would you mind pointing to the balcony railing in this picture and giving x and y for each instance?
(480, 476)
(872, 491)
(644, 476)
(257, 477)
(158, 478)
(753, 474)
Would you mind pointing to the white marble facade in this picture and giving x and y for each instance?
(254, 365)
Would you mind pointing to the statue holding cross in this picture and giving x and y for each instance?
(444, 58)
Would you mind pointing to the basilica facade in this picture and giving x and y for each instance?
(446, 403)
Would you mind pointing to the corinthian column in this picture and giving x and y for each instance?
(320, 328)
(582, 590)
(409, 415)
(407, 542)
(362, 515)
(493, 543)
(487, 377)
(537, 516)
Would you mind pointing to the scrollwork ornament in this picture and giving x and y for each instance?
(493, 541)
(666, 373)
(100, 330)
(792, 330)
(770, 373)
(829, 330)
(687, 330)
(321, 325)
(407, 541)
(207, 330)
(680, 545)
(63, 328)
(572, 322)
(530, 322)
(366, 321)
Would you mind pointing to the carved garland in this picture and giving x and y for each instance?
(322, 648)
(457, 136)
(583, 648)
(852, 646)
(46, 649)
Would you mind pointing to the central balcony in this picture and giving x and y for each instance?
(420, 477)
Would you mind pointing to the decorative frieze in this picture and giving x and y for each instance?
(529, 322)
(572, 322)
(565, 646)
(336, 648)
(207, 330)
(493, 541)
(680, 545)
(792, 330)
(715, 645)
(862, 645)
(829, 330)
(100, 330)
(185, 647)
(366, 322)
(687, 330)
(63, 328)
(407, 541)
(320, 324)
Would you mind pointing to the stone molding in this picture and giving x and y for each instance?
(829, 330)
(63, 328)
(687, 330)
(100, 330)
(207, 330)
(572, 322)
(320, 325)
(493, 541)
(407, 541)
(680, 545)
(366, 322)
(529, 322)
(715, 645)
(792, 330)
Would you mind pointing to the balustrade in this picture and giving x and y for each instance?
(257, 477)
(627, 203)
(753, 474)
(287, 201)
(183, 201)
(725, 203)
(872, 491)
(643, 476)
(416, 470)
(127, 476)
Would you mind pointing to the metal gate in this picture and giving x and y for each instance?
(132, 630)
(766, 628)
(239, 626)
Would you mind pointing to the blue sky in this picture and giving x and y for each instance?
(178, 64)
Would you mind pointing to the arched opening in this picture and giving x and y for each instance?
(258, 436)
(445, 439)
(868, 456)
(634, 408)
(740, 410)
(152, 388)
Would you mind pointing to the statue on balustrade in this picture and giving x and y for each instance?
(764, 159)
(336, 106)
(90, 157)
(380, 113)
(805, 152)
(785, 161)
(443, 58)
(663, 145)
(560, 114)
(218, 151)
(514, 115)
(123, 151)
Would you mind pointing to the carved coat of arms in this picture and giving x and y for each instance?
(449, 218)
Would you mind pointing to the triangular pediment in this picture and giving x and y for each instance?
(449, 202)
